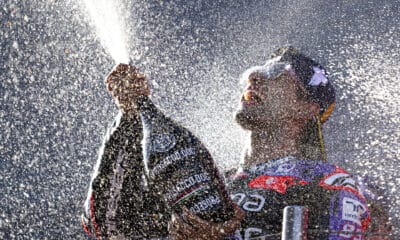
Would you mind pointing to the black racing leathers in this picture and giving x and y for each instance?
(337, 208)
(120, 202)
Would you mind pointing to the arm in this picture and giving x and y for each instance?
(119, 202)
(115, 184)
(94, 207)
(190, 226)
(380, 226)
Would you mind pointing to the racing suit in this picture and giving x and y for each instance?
(337, 208)
(120, 202)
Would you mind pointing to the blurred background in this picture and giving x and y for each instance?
(54, 56)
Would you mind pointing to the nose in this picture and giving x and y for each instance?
(254, 83)
(255, 79)
(250, 87)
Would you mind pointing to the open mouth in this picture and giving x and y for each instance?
(251, 97)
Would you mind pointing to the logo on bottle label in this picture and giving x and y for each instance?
(187, 186)
(206, 204)
(163, 142)
(172, 159)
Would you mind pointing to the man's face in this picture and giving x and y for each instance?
(268, 103)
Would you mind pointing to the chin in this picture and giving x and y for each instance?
(247, 121)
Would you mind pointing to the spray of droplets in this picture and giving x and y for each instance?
(107, 18)
(55, 108)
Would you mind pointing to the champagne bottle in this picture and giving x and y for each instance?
(181, 168)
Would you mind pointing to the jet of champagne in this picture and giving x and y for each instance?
(107, 18)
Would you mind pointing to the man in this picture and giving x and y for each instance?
(282, 107)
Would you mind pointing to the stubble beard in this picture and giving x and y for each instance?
(251, 119)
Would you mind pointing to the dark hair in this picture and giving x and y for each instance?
(308, 70)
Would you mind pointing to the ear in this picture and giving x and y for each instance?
(314, 109)
(309, 110)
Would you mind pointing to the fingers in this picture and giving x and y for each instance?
(125, 77)
(231, 225)
(211, 230)
(180, 230)
(239, 213)
(191, 218)
(122, 67)
(193, 227)
(123, 70)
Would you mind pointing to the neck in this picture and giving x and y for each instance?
(266, 145)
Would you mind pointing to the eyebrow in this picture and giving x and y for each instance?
(260, 75)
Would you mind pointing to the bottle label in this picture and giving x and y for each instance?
(205, 204)
(172, 158)
(180, 167)
(188, 186)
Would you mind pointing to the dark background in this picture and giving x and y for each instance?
(55, 109)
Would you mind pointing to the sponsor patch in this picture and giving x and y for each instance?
(340, 180)
(348, 231)
(319, 77)
(251, 202)
(353, 210)
(276, 183)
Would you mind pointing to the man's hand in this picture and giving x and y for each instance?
(194, 227)
(126, 84)
(380, 226)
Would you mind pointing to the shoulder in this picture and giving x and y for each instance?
(340, 179)
(307, 170)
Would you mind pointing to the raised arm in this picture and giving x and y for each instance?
(118, 197)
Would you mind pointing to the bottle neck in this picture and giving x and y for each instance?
(148, 110)
(144, 104)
